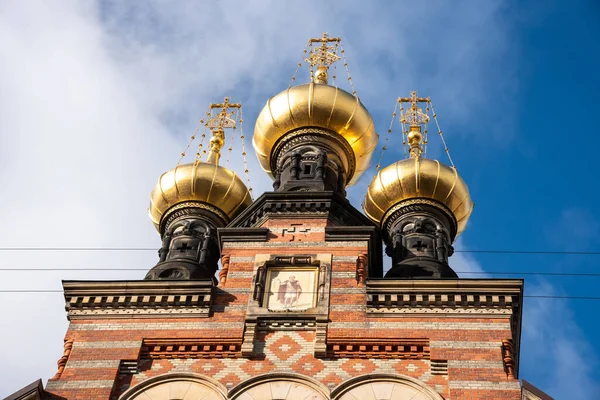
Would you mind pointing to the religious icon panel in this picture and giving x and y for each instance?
(291, 288)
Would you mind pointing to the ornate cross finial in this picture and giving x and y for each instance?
(414, 117)
(322, 56)
(217, 124)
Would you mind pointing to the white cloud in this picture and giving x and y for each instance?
(577, 224)
(552, 339)
(96, 100)
(465, 265)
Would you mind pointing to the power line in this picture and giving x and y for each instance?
(579, 274)
(525, 296)
(578, 253)
(584, 253)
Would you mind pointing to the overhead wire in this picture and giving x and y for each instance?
(525, 296)
(155, 249)
(579, 274)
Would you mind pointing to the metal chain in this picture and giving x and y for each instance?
(201, 150)
(404, 132)
(389, 132)
(425, 131)
(200, 123)
(441, 135)
(231, 139)
(298, 67)
(310, 69)
(335, 65)
(347, 70)
(244, 153)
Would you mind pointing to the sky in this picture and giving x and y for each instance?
(97, 99)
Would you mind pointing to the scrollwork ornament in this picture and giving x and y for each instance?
(413, 205)
(190, 208)
(313, 135)
(62, 362)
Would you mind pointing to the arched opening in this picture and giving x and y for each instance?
(279, 386)
(177, 386)
(384, 387)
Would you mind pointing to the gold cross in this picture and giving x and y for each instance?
(223, 118)
(325, 53)
(414, 115)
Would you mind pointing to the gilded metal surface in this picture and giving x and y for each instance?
(322, 57)
(321, 106)
(208, 183)
(217, 125)
(418, 178)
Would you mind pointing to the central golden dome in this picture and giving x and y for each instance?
(418, 178)
(321, 106)
(211, 185)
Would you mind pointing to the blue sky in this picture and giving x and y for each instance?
(536, 191)
(98, 98)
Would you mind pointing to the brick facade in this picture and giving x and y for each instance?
(450, 335)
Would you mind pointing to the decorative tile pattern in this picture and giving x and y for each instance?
(292, 352)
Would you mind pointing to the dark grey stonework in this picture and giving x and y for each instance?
(33, 391)
(312, 159)
(190, 249)
(419, 238)
(308, 168)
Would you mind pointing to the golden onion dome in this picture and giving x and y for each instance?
(219, 188)
(321, 106)
(418, 178)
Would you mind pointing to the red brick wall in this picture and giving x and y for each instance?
(471, 346)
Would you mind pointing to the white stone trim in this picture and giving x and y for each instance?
(151, 326)
(62, 385)
(474, 326)
(485, 385)
(107, 345)
(451, 344)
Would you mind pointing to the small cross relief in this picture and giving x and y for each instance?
(289, 233)
(419, 245)
(183, 247)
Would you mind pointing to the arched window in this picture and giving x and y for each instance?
(176, 386)
(384, 387)
(279, 387)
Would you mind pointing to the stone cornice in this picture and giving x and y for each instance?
(191, 348)
(409, 348)
(329, 205)
(242, 235)
(451, 298)
(138, 299)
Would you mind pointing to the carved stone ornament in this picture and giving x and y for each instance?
(189, 248)
(310, 168)
(412, 349)
(440, 297)
(224, 270)
(193, 208)
(361, 269)
(190, 348)
(329, 143)
(141, 299)
(507, 357)
(62, 362)
(419, 234)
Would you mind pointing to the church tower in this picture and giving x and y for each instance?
(301, 308)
